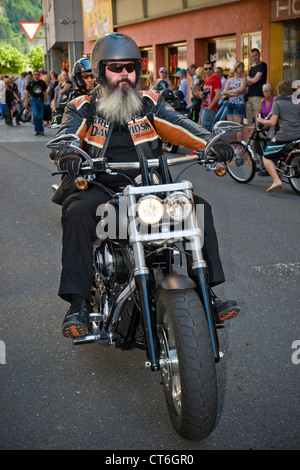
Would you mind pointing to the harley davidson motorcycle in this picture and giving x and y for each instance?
(139, 297)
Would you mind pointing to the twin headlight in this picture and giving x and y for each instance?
(151, 208)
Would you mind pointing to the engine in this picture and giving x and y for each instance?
(113, 262)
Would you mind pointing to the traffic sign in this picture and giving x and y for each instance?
(30, 28)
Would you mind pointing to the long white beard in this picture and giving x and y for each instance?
(117, 105)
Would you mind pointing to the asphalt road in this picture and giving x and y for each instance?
(58, 396)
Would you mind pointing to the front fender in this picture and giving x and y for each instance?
(177, 281)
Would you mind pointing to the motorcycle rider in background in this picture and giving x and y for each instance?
(121, 125)
(85, 82)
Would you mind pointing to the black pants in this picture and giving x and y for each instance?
(79, 223)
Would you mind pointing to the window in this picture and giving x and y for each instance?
(147, 68)
(222, 52)
(291, 50)
(176, 60)
(250, 41)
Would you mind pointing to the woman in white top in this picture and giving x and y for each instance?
(234, 91)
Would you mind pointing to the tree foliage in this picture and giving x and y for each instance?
(13, 12)
(12, 61)
(17, 53)
(35, 57)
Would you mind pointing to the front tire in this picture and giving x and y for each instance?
(241, 167)
(188, 372)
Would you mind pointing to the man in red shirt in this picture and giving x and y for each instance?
(210, 96)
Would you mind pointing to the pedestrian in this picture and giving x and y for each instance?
(210, 96)
(11, 100)
(2, 97)
(220, 73)
(183, 83)
(235, 90)
(21, 84)
(266, 105)
(51, 87)
(36, 91)
(64, 85)
(163, 76)
(191, 70)
(256, 79)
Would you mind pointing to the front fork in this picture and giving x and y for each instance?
(142, 281)
(200, 277)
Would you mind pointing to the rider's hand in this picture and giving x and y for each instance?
(71, 164)
(223, 150)
(55, 156)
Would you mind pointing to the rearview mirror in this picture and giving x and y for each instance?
(63, 141)
(227, 128)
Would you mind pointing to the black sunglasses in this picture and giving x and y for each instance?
(118, 68)
(208, 68)
(85, 76)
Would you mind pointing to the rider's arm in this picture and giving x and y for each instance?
(173, 127)
(75, 117)
(268, 122)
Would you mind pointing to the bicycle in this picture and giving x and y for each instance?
(248, 158)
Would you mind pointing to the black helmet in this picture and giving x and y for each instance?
(161, 85)
(179, 94)
(167, 95)
(114, 47)
(82, 65)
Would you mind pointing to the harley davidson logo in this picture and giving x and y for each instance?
(142, 131)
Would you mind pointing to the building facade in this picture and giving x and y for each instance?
(63, 33)
(175, 34)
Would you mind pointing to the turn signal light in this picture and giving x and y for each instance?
(220, 169)
(81, 183)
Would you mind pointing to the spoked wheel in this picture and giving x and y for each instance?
(295, 172)
(241, 167)
(187, 363)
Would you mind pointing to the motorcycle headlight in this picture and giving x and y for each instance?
(178, 206)
(150, 209)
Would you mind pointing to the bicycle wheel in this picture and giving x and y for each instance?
(241, 167)
(294, 171)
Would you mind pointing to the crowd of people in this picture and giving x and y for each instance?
(243, 97)
(213, 97)
(216, 97)
(42, 94)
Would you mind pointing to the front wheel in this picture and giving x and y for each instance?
(187, 363)
(241, 167)
(294, 171)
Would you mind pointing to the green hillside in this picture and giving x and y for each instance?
(11, 13)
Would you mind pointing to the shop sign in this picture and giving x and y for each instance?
(285, 9)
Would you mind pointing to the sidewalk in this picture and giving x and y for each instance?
(23, 133)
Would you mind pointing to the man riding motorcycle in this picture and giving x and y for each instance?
(121, 125)
(85, 82)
